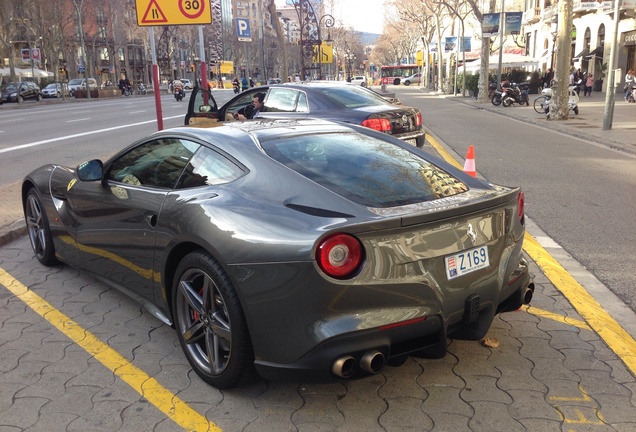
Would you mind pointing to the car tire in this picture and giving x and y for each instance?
(19, 99)
(38, 229)
(39, 97)
(407, 83)
(420, 141)
(210, 322)
(363, 84)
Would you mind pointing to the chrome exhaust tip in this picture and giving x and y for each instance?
(344, 367)
(372, 362)
(528, 292)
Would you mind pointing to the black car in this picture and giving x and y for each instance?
(327, 100)
(18, 92)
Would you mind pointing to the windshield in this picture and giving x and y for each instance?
(366, 170)
(75, 81)
(9, 86)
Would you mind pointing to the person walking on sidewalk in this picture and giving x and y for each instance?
(589, 82)
(629, 83)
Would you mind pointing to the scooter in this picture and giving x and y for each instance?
(499, 94)
(127, 90)
(542, 103)
(179, 94)
(631, 98)
(518, 93)
(141, 89)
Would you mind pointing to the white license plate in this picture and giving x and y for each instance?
(466, 262)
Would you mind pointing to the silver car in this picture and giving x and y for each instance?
(301, 249)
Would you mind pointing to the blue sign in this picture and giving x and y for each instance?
(243, 30)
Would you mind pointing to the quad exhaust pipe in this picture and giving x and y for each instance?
(372, 362)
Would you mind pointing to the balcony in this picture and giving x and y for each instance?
(580, 8)
(532, 16)
(548, 14)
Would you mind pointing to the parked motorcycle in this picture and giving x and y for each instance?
(127, 90)
(499, 93)
(179, 94)
(542, 103)
(517, 93)
(141, 89)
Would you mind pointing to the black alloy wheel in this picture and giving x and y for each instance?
(210, 322)
(39, 230)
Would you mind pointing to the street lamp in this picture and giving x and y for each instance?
(310, 33)
(329, 22)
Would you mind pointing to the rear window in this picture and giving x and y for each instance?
(365, 170)
(353, 96)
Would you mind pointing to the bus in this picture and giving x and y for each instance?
(395, 74)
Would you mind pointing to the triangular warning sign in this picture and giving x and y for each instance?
(155, 12)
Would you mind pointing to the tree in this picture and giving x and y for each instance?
(559, 109)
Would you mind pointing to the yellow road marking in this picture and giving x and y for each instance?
(618, 340)
(149, 388)
(556, 317)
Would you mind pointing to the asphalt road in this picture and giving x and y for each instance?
(580, 193)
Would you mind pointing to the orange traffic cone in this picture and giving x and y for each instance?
(469, 164)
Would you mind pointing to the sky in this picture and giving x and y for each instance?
(362, 15)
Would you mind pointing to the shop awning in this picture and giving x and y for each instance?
(582, 53)
(596, 53)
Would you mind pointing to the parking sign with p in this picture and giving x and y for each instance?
(243, 31)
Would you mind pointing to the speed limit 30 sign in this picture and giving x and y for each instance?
(173, 12)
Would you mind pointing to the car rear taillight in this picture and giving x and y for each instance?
(339, 255)
(418, 119)
(521, 202)
(379, 124)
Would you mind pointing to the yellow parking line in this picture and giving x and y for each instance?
(619, 341)
(149, 388)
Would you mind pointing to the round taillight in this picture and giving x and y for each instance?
(521, 202)
(339, 255)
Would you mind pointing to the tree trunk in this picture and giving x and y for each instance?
(559, 103)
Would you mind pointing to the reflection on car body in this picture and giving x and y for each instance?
(301, 249)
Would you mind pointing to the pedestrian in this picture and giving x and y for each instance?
(589, 82)
(629, 82)
(244, 84)
(547, 77)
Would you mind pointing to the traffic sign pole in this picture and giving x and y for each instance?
(155, 80)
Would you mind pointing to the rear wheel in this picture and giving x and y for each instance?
(506, 102)
(20, 99)
(210, 322)
(407, 82)
(541, 104)
(496, 99)
(576, 110)
(38, 229)
(39, 97)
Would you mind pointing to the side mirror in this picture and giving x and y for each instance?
(92, 170)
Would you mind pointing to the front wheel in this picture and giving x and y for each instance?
(210, 322)
(38, 229)
(541, 104)
(407, 83)
(496, 99)
(506, 102)
(576, 110)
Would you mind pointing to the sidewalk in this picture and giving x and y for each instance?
(588, 125)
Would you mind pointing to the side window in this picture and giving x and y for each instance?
(282, 100)
(303, 106)
(157, 163)
(207, 167)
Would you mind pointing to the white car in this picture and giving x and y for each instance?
(413, 79)
(359, 79)
(187, 84)
(54, 90)
(80, 83)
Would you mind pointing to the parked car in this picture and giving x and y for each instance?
(187, 84)
(20, 91)
(360, 80)
(345, 102)
(55, 90)
(80, 84)
(274, 81)
(413, 79)
(304, 249)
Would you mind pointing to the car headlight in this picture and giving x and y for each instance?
(14, 94)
